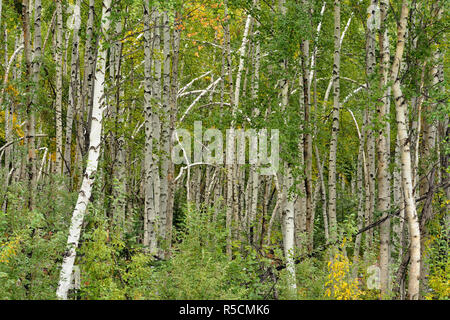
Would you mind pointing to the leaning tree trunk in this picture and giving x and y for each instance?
(410, 205)
(92, 163)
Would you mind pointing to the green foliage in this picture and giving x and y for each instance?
(32, 242)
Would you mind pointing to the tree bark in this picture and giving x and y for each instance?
(383, 176)
(401, 107)
(93, 156)
(335, 124)
(59, 83)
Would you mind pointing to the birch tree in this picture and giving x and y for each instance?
(410, 205)
(74, 25)
(335, 123)
(383, 147)
(59, 84)
(93, 156)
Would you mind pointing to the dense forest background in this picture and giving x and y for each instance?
(93, 207)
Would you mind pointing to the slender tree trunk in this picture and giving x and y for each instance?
(324, 195)
(165, 129)
(150, 211)
(401, 107)
(230, 139)
(173, 112)
(59, 80)
(88, 79)
(335, 123)
(429, 129)
(307, 143)
(288, 215)
(398, 201)
(119, 169)
(94, 152)
(383, 177)
(30, 164)
(370, 69)
(73, 90)
(257, 225)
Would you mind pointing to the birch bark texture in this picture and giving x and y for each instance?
(59, 84)
(335, 123)
(93, 156)
(405, 152)
(383, 176)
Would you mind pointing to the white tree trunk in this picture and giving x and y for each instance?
(335, 124)
(410, 209)
(94, 152)
(383, 177)
(73, 90)
(59, 80)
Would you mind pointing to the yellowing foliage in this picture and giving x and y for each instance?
(18, 129)
(8, 249)
(340, 284)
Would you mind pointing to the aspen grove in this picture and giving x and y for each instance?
(224, 149)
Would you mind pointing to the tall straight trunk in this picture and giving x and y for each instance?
(119, 169)
(58, 87)
(88, 79)
(289, 231)
(150, 210)
(93, 156)
(368, 212)
(323, 192)
(398, 228)
(307, 145)
(173, 112)
(335, 123)
(238, 184)
(165, 128)
(370, 69)
(383, 176)
(36, 64)
(300, 202)
(361, 196)
(7, 112)
(230, 143)
(30, 164)
(37, 52)
(288, 214)
(253, 168)
(429, 129)
(73, 90)
(410, 204)
(156, 123)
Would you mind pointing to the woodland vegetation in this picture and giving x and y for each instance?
(92, 93)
